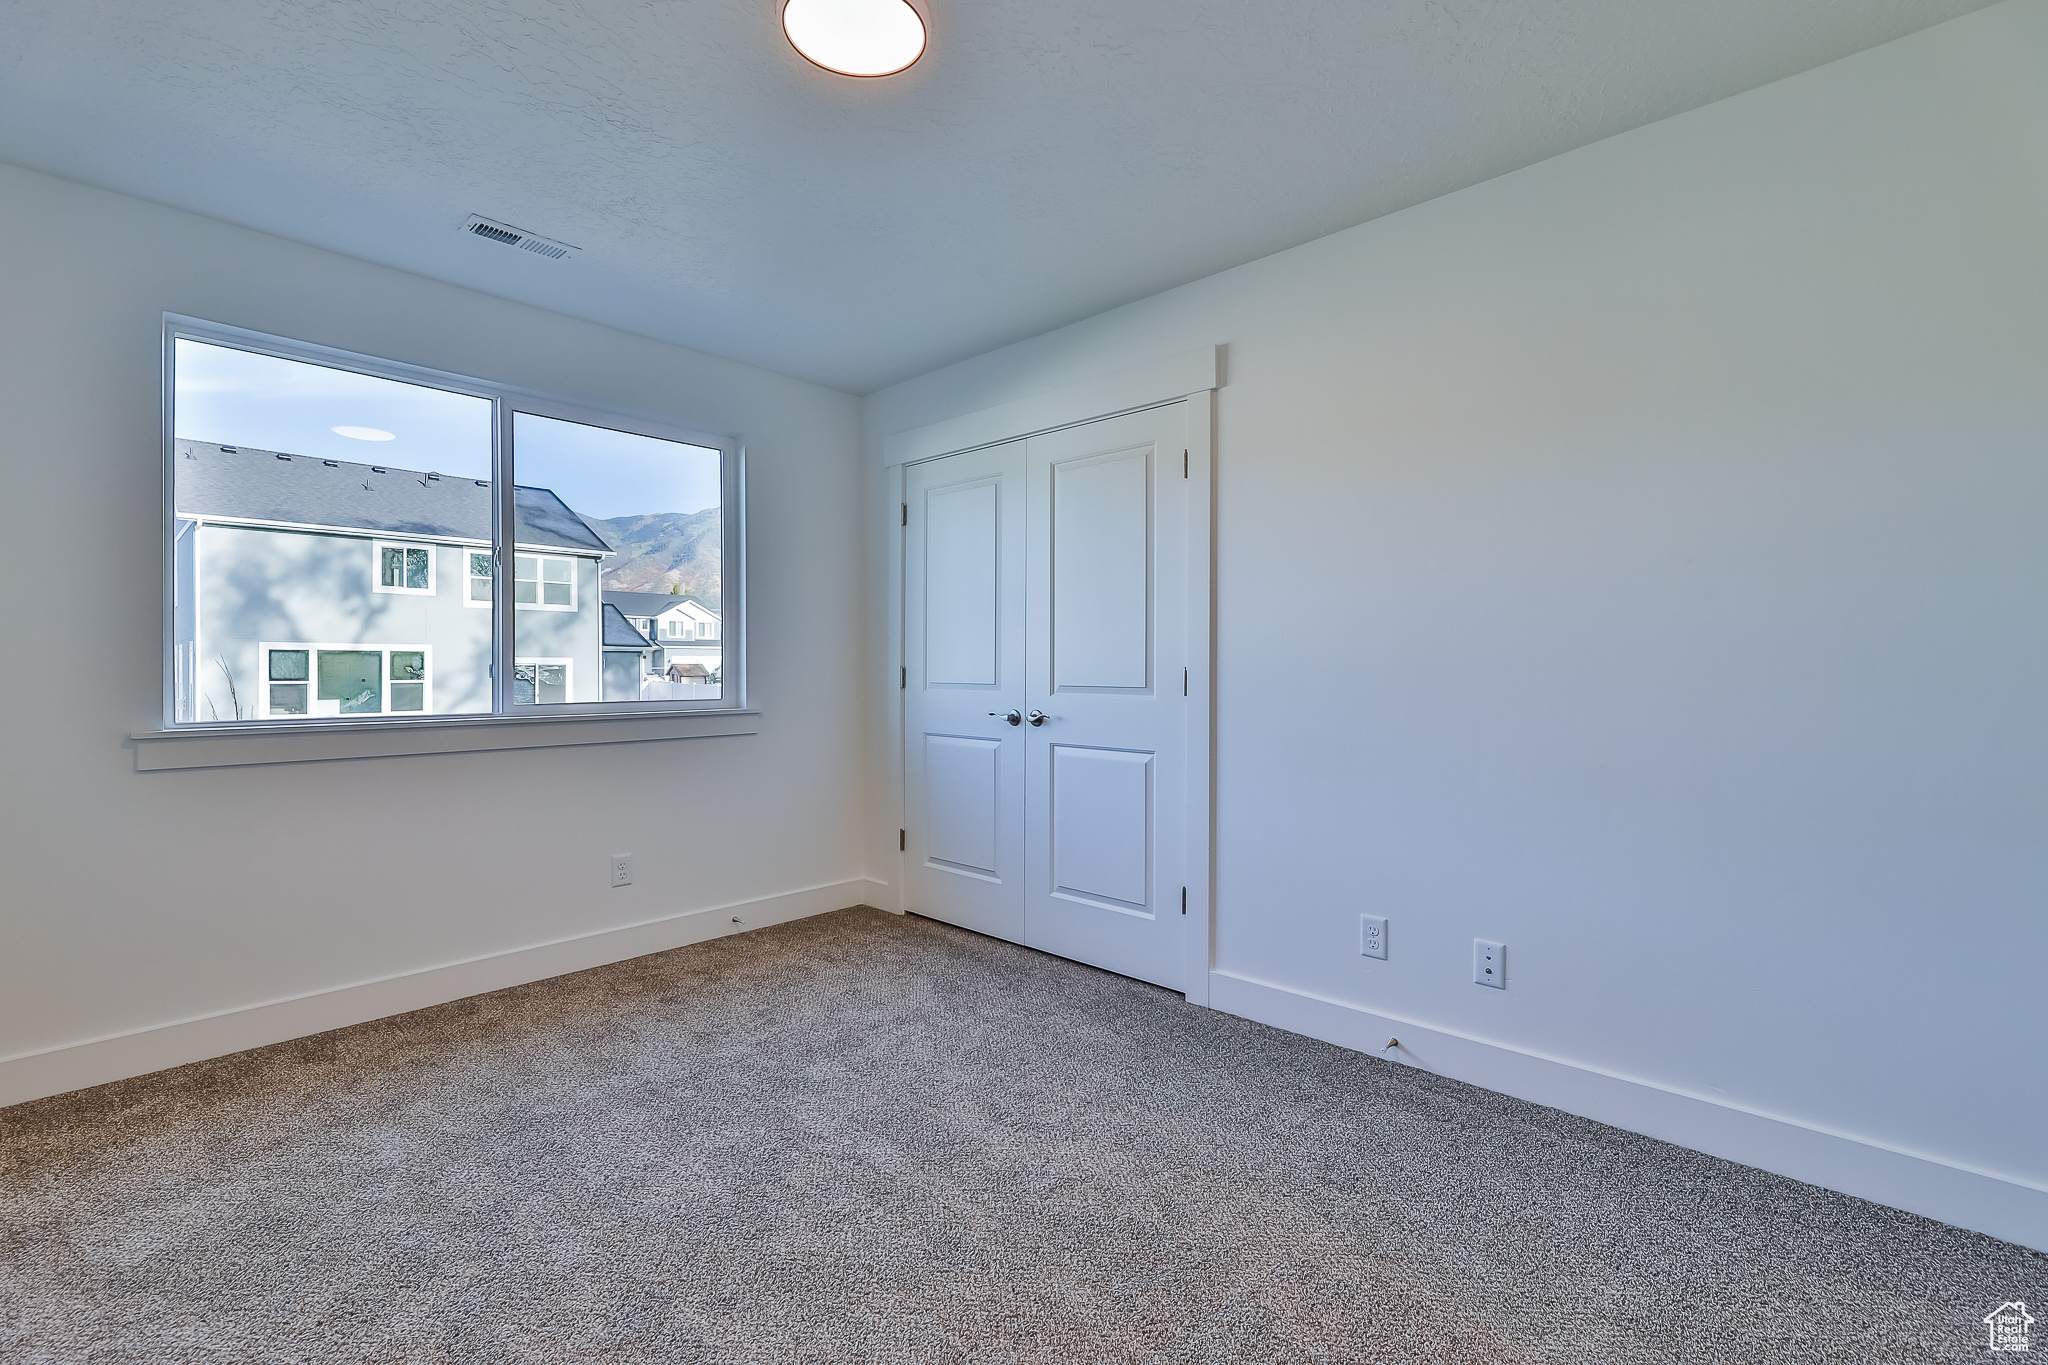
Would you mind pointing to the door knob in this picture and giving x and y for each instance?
(1039, 718)
(1011, 717)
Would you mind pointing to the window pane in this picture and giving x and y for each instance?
(351, 677)
(408, 696)
(408, 665)
(287, 699)
(638, 525)
(276, 504)
(479, 577)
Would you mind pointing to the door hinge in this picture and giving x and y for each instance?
(1183, 464)
(906, 514)
(903, 676)
(1183, 900)
(1183, 682)
(903, 844)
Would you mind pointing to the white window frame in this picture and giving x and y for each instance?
(568, 679)
(539, 557)
(469, 578)
(377, 566)
(313, 650)
(507, 400)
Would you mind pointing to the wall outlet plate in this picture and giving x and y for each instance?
(1490, 963)
(1372, 936)
(622, 869)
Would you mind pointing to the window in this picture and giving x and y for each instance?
(327, 494)
(405, 568)
(542, 682)
(290, 675)
(662, 511)
(544, 581)
(344, 680)
(479, 579)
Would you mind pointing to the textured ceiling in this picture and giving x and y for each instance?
(1048, 159)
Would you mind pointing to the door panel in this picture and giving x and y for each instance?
(963, 622)
(1102, 570)
(961, 614)
(1102, 827)
(960, 777)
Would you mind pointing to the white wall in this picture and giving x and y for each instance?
(133, 901)
(1642, 559)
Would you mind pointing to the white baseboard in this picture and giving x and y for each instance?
(1978, 1200)
(77, 1065)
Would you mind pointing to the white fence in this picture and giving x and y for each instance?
(661, 689)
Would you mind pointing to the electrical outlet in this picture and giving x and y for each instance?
(622, 869)
(1490, 963)
(1372, 936)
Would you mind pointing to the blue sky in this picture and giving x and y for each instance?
(233, 397)
(604, 473)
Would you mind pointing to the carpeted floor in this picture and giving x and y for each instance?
(860, 1138)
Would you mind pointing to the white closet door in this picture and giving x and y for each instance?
(964, 576)
(1105, 645)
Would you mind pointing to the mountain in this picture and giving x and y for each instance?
(662, 550)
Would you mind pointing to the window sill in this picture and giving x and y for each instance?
(234, 746)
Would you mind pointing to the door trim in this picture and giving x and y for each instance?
(1152, 384)
(976, 431)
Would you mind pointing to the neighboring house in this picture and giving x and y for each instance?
(313, 587)
(684, 631)
(626, 652)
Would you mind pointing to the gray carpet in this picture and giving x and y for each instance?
(860, 1138)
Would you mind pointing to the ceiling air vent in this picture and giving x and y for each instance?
(525, 241)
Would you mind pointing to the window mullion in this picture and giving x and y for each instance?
(504, 529)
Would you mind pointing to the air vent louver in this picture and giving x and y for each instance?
(525, 241)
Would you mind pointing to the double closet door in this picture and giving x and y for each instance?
(1045, 707)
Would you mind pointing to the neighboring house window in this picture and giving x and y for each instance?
(405, 568)
(394, 477)
(541, 682)
(290, 677)
(479, 578)
(544, 581)
(344, 680)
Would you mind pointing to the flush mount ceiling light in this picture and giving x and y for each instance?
(364, 434)
(855, 37)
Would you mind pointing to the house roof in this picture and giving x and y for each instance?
(619, 632)
(304, 490)
(655, 603)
